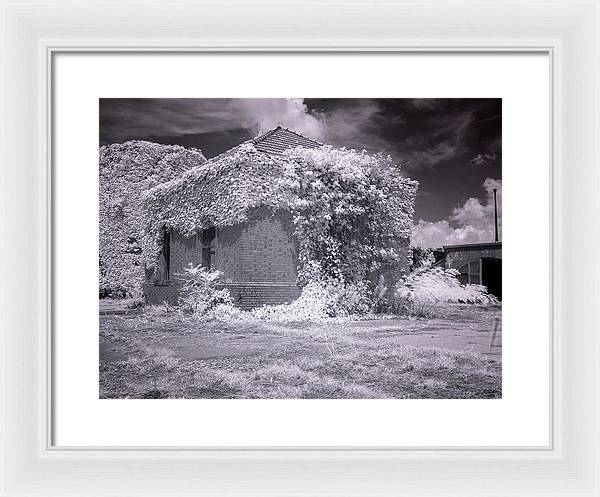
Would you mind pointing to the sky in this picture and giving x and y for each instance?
(453, 147)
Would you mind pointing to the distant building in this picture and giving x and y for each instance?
(478, 264)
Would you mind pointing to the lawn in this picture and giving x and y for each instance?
(156, 354)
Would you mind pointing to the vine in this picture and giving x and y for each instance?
(126, 170)
(352, 211)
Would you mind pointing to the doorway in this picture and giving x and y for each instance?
(491, 275)
(166, 256)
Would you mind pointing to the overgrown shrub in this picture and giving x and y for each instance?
(380, 297)
(420, 291)
(226, 313)
(352, 211)
(199, 293)
(350, 298)
(320, 300)
(420, 257)
(126, 170)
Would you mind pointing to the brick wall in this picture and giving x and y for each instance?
(258, 260)
(157, 293)
(250, 295)
(260, 250)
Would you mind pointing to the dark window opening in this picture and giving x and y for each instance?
(486, 271)
(492, 275)
(166, 255)
(208, 236)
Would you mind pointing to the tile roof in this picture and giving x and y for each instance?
(273, 142)
(280, 139)
(220, 191)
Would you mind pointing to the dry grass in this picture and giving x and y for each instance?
(299, 361)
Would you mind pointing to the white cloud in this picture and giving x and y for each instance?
(263, 114)
(472, 222)
(440, 233)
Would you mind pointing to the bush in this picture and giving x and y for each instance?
(199, 293)
(380, 297)
(419, 292)
(125, 171)
(420, 257)
(136, 303)
(313, 304)
(225, 313)
(345, 299)
(352, 211)
(108, 292)
(320, 300)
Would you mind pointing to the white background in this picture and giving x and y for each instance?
(520, 418)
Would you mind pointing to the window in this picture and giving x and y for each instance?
(470, 273)
(208, 236)
(166, 255)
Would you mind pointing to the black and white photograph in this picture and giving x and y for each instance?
(263, 249)
(300, 248)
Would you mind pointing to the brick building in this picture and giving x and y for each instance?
(222, 224)
(258, 259)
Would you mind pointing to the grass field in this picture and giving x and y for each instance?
(155, 355)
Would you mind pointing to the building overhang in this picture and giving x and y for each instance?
(473, 246)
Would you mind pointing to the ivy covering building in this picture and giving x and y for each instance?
(277, 212)
(126, 170)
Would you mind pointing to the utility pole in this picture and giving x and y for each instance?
(495, 215)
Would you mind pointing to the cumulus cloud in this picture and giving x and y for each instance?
(471, 222)
(263, 114)
(440, 233)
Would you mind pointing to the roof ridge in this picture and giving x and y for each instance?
(254, 141)
(300, 134)
(266, 134)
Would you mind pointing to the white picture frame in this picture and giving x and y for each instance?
(32, 32)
